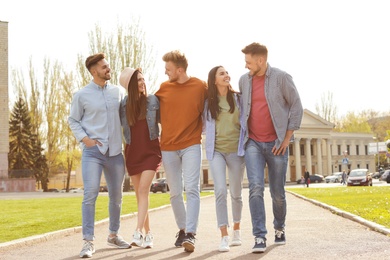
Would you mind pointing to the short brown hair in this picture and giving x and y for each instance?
(178, 58)
(93, 59)
(255, 49)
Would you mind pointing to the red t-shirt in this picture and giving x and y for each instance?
(260, 124)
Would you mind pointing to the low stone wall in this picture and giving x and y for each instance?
(17, 185)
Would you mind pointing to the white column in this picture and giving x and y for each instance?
(329, 156)
(319, 157)
(297, 153)
(308, 155)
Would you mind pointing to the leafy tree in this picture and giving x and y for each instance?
(39, 167)
(354, 123)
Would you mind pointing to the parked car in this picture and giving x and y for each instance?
(159, 185)
(384, 175)
(103, 189)
(77, 190)
(53, 190)
(359, 177)
(335, 177)
(314, 178)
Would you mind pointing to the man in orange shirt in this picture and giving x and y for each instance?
(181, 105)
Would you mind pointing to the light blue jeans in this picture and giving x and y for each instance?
(236, 166)
(93, 163)
(257, 156)
(183, 167)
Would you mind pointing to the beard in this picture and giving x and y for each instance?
(105, 76)
(255, 72)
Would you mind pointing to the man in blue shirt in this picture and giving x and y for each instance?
(95, 121)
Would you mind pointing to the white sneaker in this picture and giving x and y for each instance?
(138, 239)
(148, 242)
(236, 241)
(88, 250)
(224, 246)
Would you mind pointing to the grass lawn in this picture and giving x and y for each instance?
(370, 203)
(27, 217)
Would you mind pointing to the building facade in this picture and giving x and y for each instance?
(4, 114)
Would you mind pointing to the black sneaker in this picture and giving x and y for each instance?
(280, 237)
(259, 246)
(189, 242)
(180, 238)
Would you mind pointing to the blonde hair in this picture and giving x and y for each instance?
(177, 58)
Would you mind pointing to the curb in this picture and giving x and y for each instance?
(371, 225)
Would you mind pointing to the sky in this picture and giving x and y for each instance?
(340, 47)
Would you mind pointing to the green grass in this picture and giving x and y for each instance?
(27, 217)
(370, 203)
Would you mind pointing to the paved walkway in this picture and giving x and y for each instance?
(312, 232)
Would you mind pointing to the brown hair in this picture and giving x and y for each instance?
(93, 59)
(255, 49)
(212, 93)
(178, 58)
(136, 103)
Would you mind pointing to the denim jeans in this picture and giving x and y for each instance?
(93, 163)
(257, 156)
(236, 166)
(183, 167)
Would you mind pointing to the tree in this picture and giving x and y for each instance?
(20, 145)
(40, 168)
(327, 109)
(125, 47)
(354, 123)
(25, 153)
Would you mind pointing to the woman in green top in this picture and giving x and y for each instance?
(224, 149)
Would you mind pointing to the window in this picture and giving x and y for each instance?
(366, 149)
(348, 150)
(339, 149)
(357, 149)
(302, 150)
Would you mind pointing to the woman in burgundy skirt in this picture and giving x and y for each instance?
(142, 153)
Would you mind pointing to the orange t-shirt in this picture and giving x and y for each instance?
(181, 108)
(260, 125)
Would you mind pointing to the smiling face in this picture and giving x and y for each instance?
(172, 71)
(256, 64)
(101, 71)
(141, 83)
(222, 78)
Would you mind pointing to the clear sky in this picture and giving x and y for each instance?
(341, 46)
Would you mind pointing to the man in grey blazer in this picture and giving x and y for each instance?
(273, 111)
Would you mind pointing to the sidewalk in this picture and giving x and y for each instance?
(312, 232)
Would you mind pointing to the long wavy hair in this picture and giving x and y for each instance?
(136, 102)
(212, 97)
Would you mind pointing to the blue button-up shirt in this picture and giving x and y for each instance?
(95, 112)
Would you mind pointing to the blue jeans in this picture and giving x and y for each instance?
(93, 163)
(257, 156)
(236, 166)
(183, 167)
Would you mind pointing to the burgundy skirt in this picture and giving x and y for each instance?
(142, 153)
